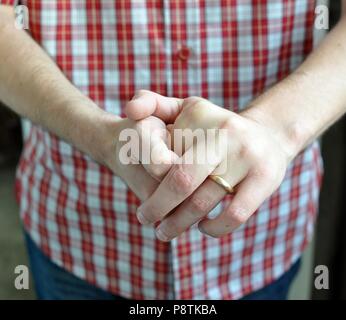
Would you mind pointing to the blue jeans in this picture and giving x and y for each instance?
(55, 283)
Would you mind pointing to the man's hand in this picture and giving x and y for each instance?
(142, 178)
(256, 159)
(265, 137)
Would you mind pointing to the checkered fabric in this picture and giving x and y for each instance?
(228, 51)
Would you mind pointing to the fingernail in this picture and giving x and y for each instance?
(141, 218)
(201, 229)
(161, 235)
(205, 234)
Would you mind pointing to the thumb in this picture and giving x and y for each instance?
(146, 103)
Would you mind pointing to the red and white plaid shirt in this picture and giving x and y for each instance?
(83, 217)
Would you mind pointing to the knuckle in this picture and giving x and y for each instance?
(192, 100)
(171, 228)
(233, 124)
(250, 151)
(180, 181)
(157, 171)
(152, 215)
(239, 219)
(236, 216)
(141, 92)
(195, 107)
(199, 205)
(264, 171)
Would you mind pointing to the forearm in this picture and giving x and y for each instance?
(312, 98)
(34, 87)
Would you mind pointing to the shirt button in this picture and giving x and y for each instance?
(184, 53)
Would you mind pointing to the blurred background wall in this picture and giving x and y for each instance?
(330, 232)
(12, 251)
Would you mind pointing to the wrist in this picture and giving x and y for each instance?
(292, 136)
(285, 110)
(94, 131)
(104, 145)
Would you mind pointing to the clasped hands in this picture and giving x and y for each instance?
(176, 193)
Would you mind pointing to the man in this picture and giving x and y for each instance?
(80, 217)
